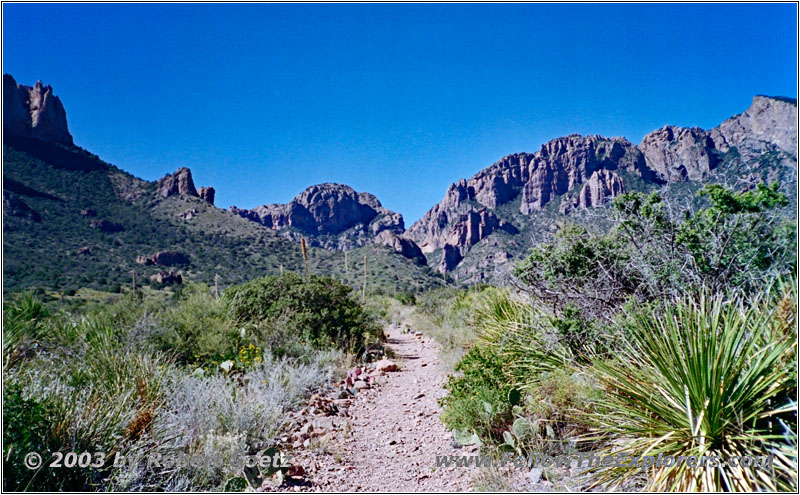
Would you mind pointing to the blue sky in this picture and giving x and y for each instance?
(261, 101)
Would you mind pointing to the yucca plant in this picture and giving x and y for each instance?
(703, 376)
(23, 323)
(522, 335)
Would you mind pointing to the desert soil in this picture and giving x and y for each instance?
(391, 434)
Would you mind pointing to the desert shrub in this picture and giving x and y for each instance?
(219, 419)
(477, 399)
(549, 418)
(699, 377)
(198, 328)
(25, 423)
(24, 324)
(94, 401)
(520, 386)
(321, 310)
(384, 309)
(407, 298)
(738, 241)
(523, 335)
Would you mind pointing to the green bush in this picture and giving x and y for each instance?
(478, 399)
(25, 426)
(319, 310)
(407, 298)
(198, 329)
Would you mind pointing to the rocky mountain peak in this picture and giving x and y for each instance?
(178, 183)
(34, 112)
(329, 210)
(767, 120)
(207, 194)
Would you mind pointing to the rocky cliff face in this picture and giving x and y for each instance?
(405, 247)
(207, 194)
(588, 171)
(334, 216)
(536, 179)
(768, 120)
(34, 112)
(679, 153)
(602, 186)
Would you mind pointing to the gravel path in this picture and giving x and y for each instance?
(389, 440)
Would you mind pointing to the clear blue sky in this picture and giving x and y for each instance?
(261, 101)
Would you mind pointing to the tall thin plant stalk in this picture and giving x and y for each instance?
(364, 287)
(305, 254)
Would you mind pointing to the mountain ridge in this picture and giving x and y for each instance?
(481, 224)
(594, 167)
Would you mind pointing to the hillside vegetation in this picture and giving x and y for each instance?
(184, 376)
(673, 336)
(62, 251)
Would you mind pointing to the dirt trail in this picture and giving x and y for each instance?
(393, 432)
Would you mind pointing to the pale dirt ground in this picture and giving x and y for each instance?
(389, 440)
(386, 438)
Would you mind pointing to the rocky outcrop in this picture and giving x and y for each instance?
(466, 230)
(602, 186)
(535, 179)
(13, 205)
(768, 120)
(34, 112)
(565, 163)
(680, 153)
(188, 214)
(179, 183)
(164, 258)
(327, 210)
(474, 226)
(451, 257)
(428, 231)
(405, 247)
(106, 226)
(207, 194)
(167, 278)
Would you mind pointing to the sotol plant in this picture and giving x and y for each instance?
(705, 376)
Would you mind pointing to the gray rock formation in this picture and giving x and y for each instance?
(680, 153)
(405, 247)
(34, 112)
(602, 186)
(451, 257)
(328, 210)
(164, 258)
(536, 179)
(179, 183)
(106, 226)
(188, 214)
(207, 194)
(769, 120)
